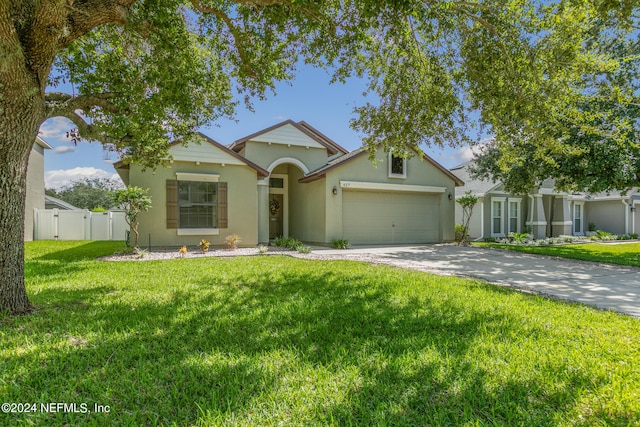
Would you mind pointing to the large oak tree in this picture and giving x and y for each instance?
(148, 71)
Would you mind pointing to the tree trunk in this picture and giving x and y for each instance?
(21, 113)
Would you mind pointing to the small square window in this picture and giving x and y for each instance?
(397, 167)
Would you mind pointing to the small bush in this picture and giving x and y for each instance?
(490, 240)
(634, 236)
(518, 238)
(204, 245)
(303, 249)
(232, 241)
(98, 209)
(263, 249)
(140, 253)
(287, 242)
(604, 235)
(340, 244)
(182, 251)
(592, 226)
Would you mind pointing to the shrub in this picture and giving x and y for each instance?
(303, 249)
(98, 209)
(490, 239)
(634, 236)
(287, 242)
(592, 226)
(140, 253)
(518, 238)
(232, 241)
(204, 245)
(604, 235)
(340, 244)
(182, 251)
(263, 249)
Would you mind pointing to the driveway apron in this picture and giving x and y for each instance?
(601, 285)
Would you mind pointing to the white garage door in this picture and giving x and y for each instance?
(390, 218)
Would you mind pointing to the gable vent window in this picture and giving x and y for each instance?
(397, 167)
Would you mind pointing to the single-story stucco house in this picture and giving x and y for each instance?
(544, 212)
(35, 185)
(291, 180)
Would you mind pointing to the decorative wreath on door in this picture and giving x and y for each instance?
(274, 206)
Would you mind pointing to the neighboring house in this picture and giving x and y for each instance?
(35, 185)
(544, 212)
(51, 202)
(291, 180)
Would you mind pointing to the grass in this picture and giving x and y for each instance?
(610, 253)
(283, 341)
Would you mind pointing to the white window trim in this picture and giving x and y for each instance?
(500, 200)
(573, 226)
(198, 231)
(202, 177)
(403, 175)
(518, 201)
(197, 177)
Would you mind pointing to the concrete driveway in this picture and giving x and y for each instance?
(601, 285)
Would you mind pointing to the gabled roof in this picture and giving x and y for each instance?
(322, 172)
(61, 204)
(477, 187)
(261, 172)
(331, 146)
(41, 142)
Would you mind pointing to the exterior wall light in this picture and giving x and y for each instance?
(334, 191)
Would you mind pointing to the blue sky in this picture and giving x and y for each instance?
(310, 97)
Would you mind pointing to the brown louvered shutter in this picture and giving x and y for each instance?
(222, 205)
(172, 203)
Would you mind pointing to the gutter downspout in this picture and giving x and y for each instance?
(626, 216)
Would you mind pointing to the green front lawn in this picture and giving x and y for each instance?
(611, 253)
(272, 340)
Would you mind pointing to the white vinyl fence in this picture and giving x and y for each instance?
(57, 224)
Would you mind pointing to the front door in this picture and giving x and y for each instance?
(276, 215)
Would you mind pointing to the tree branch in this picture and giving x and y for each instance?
(89, 131)
(59, 103)
(85, 15)
(232, 29)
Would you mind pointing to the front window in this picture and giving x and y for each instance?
(496, 218)
(514, 217)
(197, 202)
(397, 167)
(577, 219)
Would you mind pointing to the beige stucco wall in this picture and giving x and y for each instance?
(242, 204)
(35, 189)
(264, 155)
(306, 208)
(419, 172)
(608, 215)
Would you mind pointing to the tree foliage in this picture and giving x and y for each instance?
(89, 193)
(592, 142)
(146, 72)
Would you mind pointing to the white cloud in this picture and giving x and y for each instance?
(62, 177)
(64, 149)
(453, 158)
(56, 128)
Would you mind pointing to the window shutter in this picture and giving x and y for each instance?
(172, 203)
(222, 205)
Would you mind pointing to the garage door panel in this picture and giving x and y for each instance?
(385, 217)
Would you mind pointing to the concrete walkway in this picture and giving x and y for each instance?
(604, 286)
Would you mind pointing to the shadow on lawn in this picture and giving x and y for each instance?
(162, 360)
(84, 251)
